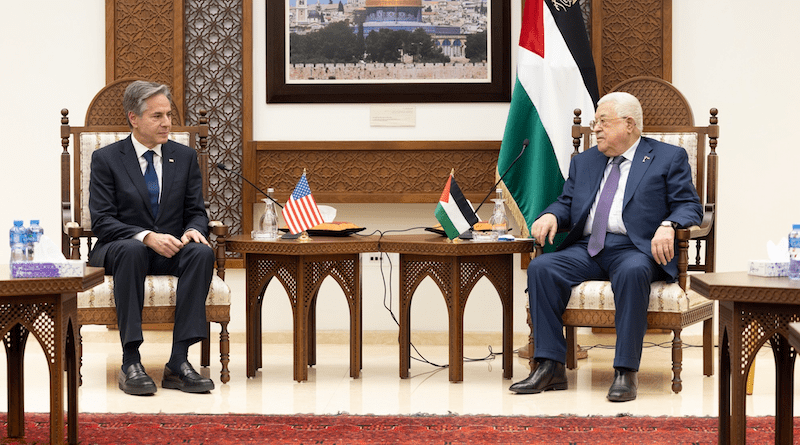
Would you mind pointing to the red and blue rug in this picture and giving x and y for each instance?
(418, 430)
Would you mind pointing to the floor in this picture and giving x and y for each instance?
(379, 390)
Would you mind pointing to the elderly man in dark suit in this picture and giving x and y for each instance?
(148, 216)
(621, 205)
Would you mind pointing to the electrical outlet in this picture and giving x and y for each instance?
(374, 259)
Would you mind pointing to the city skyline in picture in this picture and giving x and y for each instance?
(314, 2)
(413, 41)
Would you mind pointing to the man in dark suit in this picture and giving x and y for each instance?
(148, 215)
(621, 204)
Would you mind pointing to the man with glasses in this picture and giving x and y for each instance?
(621, 204)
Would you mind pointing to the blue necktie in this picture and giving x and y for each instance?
(600, 223)
(152, 181)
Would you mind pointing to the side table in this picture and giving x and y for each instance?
(455, 267)
(301, 267)
(752, 311)
(46, 307)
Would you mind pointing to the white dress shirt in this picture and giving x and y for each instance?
(615, 224)
(140, 151)
(157, 160)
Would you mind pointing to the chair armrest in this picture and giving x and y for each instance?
(218, 228)
(220, 232)
(703, 229)
(66, 216)
(74, 233)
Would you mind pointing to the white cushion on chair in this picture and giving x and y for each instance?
(91, 141)
(597, 295)
(159, 290)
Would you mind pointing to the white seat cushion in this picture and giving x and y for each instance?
(159, 290)
(597, 295)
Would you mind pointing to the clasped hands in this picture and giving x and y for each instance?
(167, 245)
(662, 245)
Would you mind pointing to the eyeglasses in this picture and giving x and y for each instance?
(603, 122)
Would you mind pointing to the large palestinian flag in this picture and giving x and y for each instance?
(555, 75)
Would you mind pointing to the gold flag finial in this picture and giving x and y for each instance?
(452, 171)
(304, 170)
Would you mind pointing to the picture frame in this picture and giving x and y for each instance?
(495, 87)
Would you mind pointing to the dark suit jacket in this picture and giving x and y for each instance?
(120, 203)
(659, 188)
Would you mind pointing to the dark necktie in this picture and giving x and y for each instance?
(600, 223)
(152, 181)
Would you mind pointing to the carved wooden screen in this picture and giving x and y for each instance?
(631, 38)
(216, 74)
(146, 42)
(376, 171)
(196, 47)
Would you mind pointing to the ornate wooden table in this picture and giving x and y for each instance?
(47, 307)
(752, 311)
(301, 267)
(455, 268)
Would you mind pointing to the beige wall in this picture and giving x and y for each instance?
(738, 58)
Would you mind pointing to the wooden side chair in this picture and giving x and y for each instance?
(105, 124)
(667, 118)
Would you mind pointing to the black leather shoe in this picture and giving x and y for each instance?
(187, 380)
(624, 387)
(549, 375)
(136, 381)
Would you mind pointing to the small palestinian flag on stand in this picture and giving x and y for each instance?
(454, 212)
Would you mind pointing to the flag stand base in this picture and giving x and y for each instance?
(304, 238)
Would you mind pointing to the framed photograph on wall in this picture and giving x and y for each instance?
(388, 51)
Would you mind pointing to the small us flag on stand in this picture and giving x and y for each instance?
(301, 212)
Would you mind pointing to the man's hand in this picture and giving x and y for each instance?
(192, 235)
(663, 245)
(545, 228)
(164, 244)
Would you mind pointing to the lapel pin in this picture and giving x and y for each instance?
(171, 160)
(643, 160)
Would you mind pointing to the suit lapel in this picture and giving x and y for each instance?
(134, 170)
(167, 170)
(642, 161)
(596, 170)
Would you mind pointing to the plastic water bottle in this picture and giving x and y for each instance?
(17, 241)
(794, 252)
(268, 225)
(35, 233)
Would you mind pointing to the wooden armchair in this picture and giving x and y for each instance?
(106, 123)
(668, 118)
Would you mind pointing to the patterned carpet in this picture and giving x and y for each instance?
(417, 430)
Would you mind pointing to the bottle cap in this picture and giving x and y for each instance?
(34, 221)
(18, 222)
(795, 226)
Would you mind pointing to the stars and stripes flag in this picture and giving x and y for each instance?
(301, 211)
